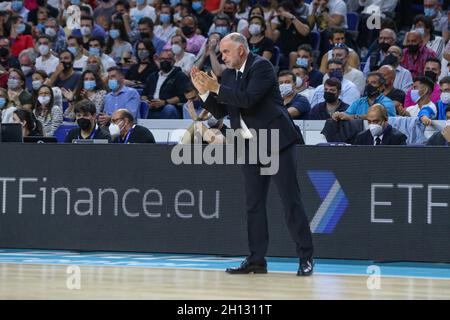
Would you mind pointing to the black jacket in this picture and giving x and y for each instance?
(437, 139)
(391, 137)
(257, 98)
(174, 85)
(139, 134)
(100, 134)
(342, 131)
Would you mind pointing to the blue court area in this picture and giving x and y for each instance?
(209, 262)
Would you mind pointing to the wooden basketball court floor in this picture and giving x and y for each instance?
(26, 274)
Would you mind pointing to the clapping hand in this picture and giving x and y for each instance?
(67, 93)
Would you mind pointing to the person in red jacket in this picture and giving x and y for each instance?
(20, 36)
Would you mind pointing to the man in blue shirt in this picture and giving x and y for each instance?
(374, 95)
(297, 105)
(120, 97)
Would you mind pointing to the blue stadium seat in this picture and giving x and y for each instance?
(143, 110)
(353, 21)
(276, 56)
(62, 131)
(315, 40)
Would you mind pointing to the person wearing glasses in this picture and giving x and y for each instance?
(124, 129)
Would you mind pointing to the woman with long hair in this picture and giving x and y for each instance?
(49, 114)
(118, 46)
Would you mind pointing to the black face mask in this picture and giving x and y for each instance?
(67, 65)
(40, 3)
(187, 31)
(330, 97)
(384, 46)
(165, 66)
(144, 35)
(372, 92)
(4, 52)
(84, 124)
(390, 60)
(413, 48)
(430, 74)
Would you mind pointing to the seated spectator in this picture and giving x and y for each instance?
(97, 48)
(86, 116)
(142, 10)
(434, 10)
(338, 37)
(221, 25)
(403, 77)
(396, 95)
(17, 94)
(39, 78)
(297, 105)
(442, 138)
(6, 108)
(258, 42)
(167, 29)
(304, 57)
(42, 5)
(120, 96)
(94, 64)
(118, 46)
(425, 26)
(165, 89)
(89, 87)
(386, 39)
(302, 82)
(340, 52)
(139, 72)
(444, 102)
(380, 132)
(27, 60)
(145, 29)
(56, 34)
(20, 35)
(183, 59)
(374, 89)
(424, 108)
(349, 93)
(124, 130)
(31, 127)
(332, 103)
(415, 53)
(191, 95)
(18, 8)
(46, 60)
(75, 46)
(204, 17)
(48, 114)
(210, 58)
(7, 60)
(65, 76)
(194, 40)
(88, 29)
(432, 71)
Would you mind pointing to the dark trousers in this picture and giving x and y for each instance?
(256, 189)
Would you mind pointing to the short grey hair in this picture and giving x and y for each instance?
(30, 53)
(239, 39)
(391, 32)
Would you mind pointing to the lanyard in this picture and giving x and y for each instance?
(127, 137)
(91, 136)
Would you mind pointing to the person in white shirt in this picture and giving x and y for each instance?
(183, 59)
(424, 109)
(142, 10)
(75, 46)
(326, 14)
(166, 30)
(341, 52)
(96, 48)
(46, 61)
(302, 82)
(349, 93)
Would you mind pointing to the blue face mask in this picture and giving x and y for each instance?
(164, 17)
(94, 52)
(17, 5)
(20, 28)
(415, 95)
(197, 6)
(75, 2)
(72, 50)
(173, 3)
(2, 102)
(114, 33)
(113, 85)
(140, 2)
(429, 12)
(89, 85)
(302, 62)
(336, 74)
(222, 30)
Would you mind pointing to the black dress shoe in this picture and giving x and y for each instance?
(306, 268)
(247, 267)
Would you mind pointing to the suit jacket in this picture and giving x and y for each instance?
(391, 137)
(257, 99)
(437, 139)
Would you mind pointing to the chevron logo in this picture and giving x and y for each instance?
(334, 201)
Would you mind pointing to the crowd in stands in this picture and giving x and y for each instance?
(104, 64)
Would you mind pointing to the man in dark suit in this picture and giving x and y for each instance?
(379, 132)
(249, 94)
(124, 129)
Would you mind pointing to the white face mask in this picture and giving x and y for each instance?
(445, 97)
(298, 82)
(85, 31)
(254, 29)
(44, 100)
(176, 49)
(36, 84)
(375, 129)
(43, 50)
(114, 130)
(285, 89)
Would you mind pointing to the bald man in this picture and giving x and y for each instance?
(386, 39)
(124, 130)
(403, 78)
(249, 94)
(380, 132)
(416, 54)
(396, 95)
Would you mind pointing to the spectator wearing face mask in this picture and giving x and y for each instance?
(204, 17)
(138, 72)
(403, 77)
(65, 76)
(444, 101)
(6, 108)
(191, 95)
(42, 6)
(27, 60)
(433, 10)
(39, 77)
(424, 108)
(145, 30)
(183, 59)
(90, 87)
(86, 118)
(304, 57)
(416, 53)
(258, 42)
(7, 61)
(96, 48)
(56, 34)
(194, 41)
(432, 70)
(19, 35)
(88, 29)
(297, 105)
(425, 26)
(380, 132)
(332, 103)
(302, 82)
(46, 60)
(349, 93)
(396, 95)
(442, 137)
(386, 39)
(17, 93)
(221, 25)
(166, 29)
(374, 95)
(118, 46)
(75, 46)
(49, 114)
(124, 129)
(142, 10)
(18, 8)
